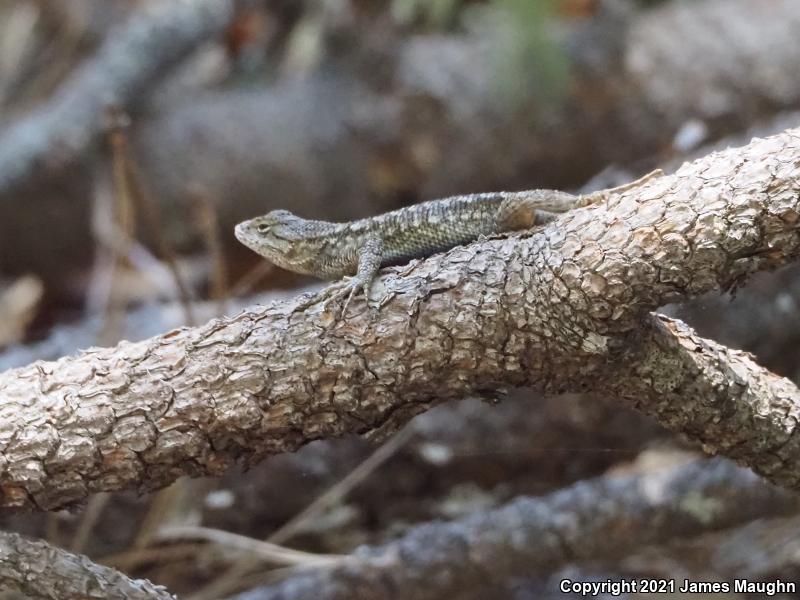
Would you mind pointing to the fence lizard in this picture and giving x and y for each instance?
(359, 248)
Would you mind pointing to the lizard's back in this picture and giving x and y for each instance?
(423, 229)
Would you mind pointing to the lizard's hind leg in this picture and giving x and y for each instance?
(544, 217)
(523, 210)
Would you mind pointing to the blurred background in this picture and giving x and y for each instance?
(135, 134)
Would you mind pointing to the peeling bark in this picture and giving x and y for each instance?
(545, 309)
(43, 572)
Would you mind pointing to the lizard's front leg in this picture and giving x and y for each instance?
(370, 256)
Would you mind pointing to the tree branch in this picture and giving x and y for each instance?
(544, 309)
(534, 536)
(760, 319)
(133, 57)
(138, 323)
(713, 394)
(41, 571)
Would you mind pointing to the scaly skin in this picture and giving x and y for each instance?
(333, 250)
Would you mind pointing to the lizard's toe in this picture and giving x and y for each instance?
(355, 287)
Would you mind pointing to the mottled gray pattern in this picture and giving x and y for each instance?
(333, 250)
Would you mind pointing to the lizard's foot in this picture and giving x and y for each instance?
(343, 290)
(323, 296)
(313, 298)
(354, 286)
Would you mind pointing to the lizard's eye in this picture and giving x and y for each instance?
(263, 228)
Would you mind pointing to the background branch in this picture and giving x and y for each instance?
(535, 536)
(124, 69)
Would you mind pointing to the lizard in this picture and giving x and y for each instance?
(329, 250)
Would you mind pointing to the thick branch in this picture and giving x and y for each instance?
(715, 395)
(138, 323)
(43, 572)
(131, 60)
(544, 309)
(534, 536)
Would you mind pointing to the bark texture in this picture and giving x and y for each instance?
(713, 394)
(535, 536)
(760, 319)
(139, 322)
(42, 572)
(544, 309)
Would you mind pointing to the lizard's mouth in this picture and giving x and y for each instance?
(245, 235)
(262, 245)
(240, 231)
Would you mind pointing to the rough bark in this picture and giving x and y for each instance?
(471, 441)
(715, 395)
(759, 319)
(534, 536)
(43, 572)
(544, 309)
(456, 446)
(138, 323)
(741, 321)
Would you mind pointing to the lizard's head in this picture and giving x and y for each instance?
(274, 236)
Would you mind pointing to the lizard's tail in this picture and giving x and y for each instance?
(604, 195)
